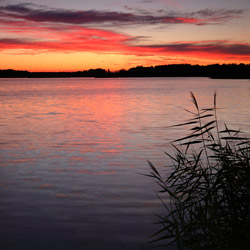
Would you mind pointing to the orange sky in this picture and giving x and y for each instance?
(114, 35)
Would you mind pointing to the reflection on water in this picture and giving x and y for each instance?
(73, 151)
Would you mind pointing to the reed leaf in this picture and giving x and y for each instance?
(233, 138)
(208, 187)
(194, 100)
(183, 124)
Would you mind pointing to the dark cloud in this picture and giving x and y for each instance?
(13, 41)
(219, 12)
(213, 47)
(236, 49)
(28, 12)
(18, 8)
(216, 16)
(37, 13)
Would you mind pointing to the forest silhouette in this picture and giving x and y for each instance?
(219, 71)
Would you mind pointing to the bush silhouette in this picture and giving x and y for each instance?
(207, 187)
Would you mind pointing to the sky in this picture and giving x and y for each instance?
(74, 35)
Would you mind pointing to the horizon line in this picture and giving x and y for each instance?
(122, 69)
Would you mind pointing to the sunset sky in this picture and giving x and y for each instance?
(73, 35)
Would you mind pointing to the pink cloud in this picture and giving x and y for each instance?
(36, 29)
(81, 40)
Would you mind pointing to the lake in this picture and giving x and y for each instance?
(74, 151)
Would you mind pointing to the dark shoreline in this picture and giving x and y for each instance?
(215, 71)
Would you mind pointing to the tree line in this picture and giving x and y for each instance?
(223, 71)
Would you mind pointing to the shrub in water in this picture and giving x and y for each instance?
(208, 187)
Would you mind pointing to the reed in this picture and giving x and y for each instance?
(206, 190)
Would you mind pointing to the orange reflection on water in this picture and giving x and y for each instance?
(88, 172)
(69, 116)
(32, 179)
(46, 185)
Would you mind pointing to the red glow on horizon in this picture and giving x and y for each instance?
(50, 45)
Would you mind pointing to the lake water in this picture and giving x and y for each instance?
(73, 153)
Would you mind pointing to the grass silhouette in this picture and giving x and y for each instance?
(207, 187)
